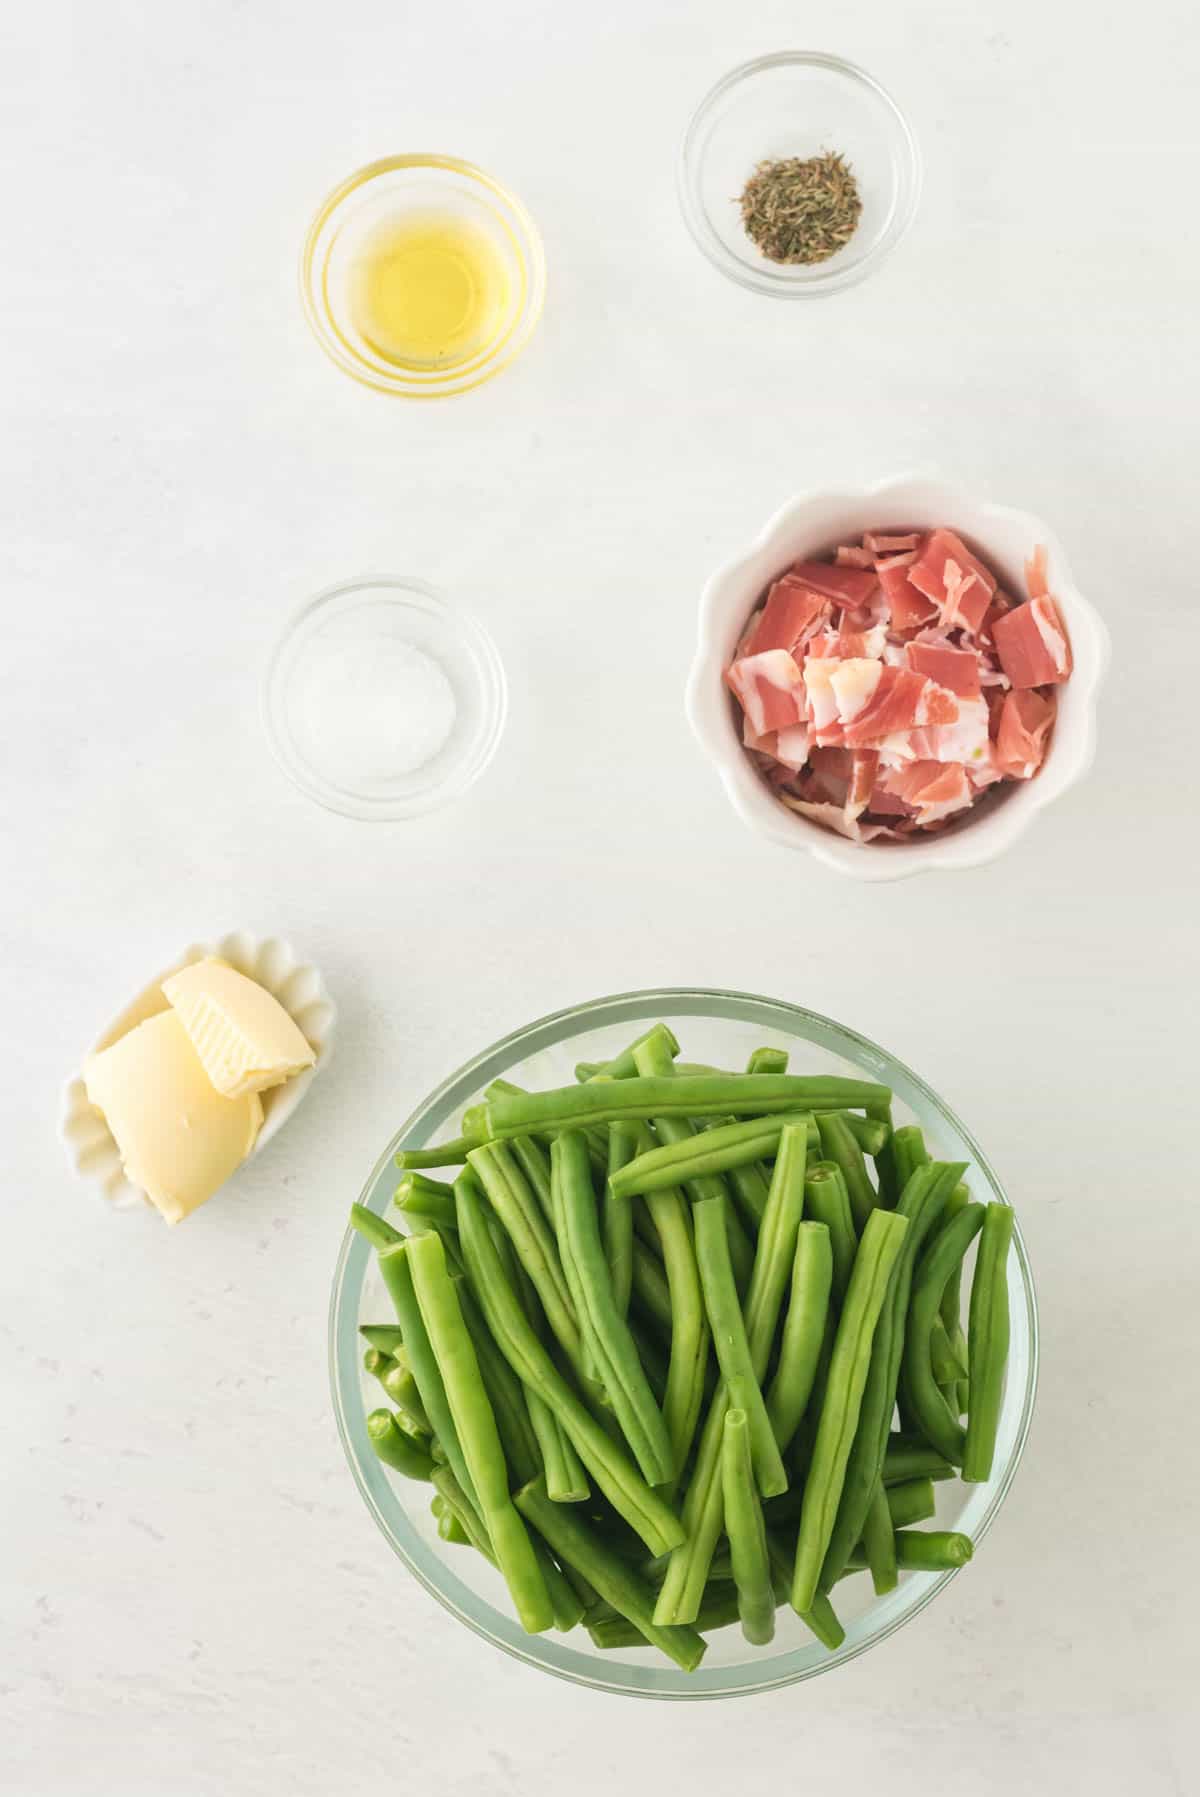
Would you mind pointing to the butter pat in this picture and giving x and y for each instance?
(245, 1039)
(179, 1139)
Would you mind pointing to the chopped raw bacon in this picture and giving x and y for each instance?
(873, 706)
(909, 608)
(791, 614)
(1035, 574)
(847, 586)
(768, 686)
(1025, 719)
(934, 788)
(960, 586)
(884, 545)
(886, 690)
(957, 669)
(1031, 644)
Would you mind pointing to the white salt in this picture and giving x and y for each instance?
(372, 709)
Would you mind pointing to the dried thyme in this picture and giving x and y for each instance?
(801, 209)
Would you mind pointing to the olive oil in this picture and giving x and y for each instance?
(430, 290)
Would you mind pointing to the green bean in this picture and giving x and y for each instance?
(839, 1145)
(650, 1286)
(376, 1362)
(716, 1150)
(534, 1162)
(396, 1273)
(463, 1512)
(864, 1303)
(822, 1619)
(395, 1448)
(730, 1341)
(703, 1509)
(948, 1368)
(566, 1481)
(747, 1535)
(607, 1332)
(475, 1422)
(449, 1154)
(924, 1550)
(803, 1331)
(951, 1309)
(432, 1199)
(686, 1321)
(623, 1066)
(921, 1204)
(768, 1060)
(618, 1584)
(705, 1095)
(909, 1152)
(930, 1411)
(615, 1474)
(988, 1342)
(398, 1382)
(879, 1543)
(387, 1337)
(521, 1444)
(870, 1133)
(373, 1228)
(653, 1061)
(718, 1611)
(618, 1216)
(750, 1186)
(653, 1358)
(448, 1526)
(912, 1501)
(514, 1203)
(827, 1201)
(907, 1459)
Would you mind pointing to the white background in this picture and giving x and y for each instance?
(195, 1598)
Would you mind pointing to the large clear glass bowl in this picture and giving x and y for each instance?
(720, 1028)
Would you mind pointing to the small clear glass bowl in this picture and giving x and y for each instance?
(797, 103)
(316, 659)
(387, 192)
(721, 1028)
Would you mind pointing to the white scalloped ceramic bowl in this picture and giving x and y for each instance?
(300, 989)
(813, 525)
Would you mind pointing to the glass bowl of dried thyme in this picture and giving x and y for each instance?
(799, 174)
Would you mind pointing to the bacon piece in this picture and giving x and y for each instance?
(1025, 719)
(846, 556)
(864, 765)
(908, 607)
(834, 817)
(791, 746)
(846, 586)
(881, 545)
(958, 583)
(1001, 603)
(1032, 645)
(821, 703)
(792, 612)
(768, 687)
(1035, 574)
(846, 645)
(957, 669)
(935, 789)
(874, 701)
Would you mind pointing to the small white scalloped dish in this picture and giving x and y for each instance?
(274, 964)
(813, 525)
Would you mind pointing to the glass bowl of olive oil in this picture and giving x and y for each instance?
(422, 276)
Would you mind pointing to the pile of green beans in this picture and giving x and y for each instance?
(676, 1346)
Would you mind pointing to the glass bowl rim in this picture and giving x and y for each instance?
(767, 280)
(586, 1013)
(485, 659)
(528, 241)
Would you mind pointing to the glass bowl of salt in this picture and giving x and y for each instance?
(382, 700)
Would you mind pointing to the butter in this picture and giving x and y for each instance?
(179, 1139)
(245, 1039)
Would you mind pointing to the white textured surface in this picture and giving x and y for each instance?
(194, 1598)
